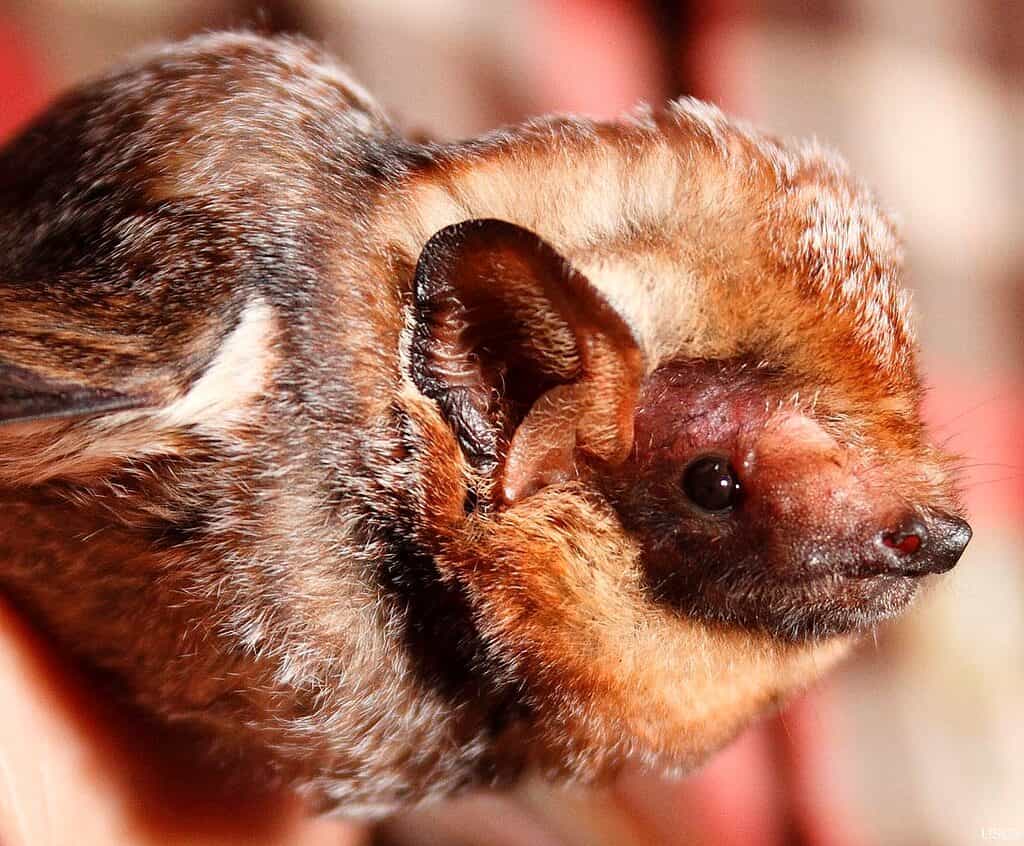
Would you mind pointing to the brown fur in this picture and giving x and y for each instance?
(282, 461)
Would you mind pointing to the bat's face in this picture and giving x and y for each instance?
(756, 510)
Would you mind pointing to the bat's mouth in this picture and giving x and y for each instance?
(804, 606)
(833, 593)
(875, 571)
(833, 583)
(836, 603)
(857, 571)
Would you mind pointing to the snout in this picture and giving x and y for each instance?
(921, 544)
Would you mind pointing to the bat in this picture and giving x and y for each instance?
(404, 468)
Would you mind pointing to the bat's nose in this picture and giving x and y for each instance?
(919, 545)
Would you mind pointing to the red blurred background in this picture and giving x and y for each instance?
(919, 738)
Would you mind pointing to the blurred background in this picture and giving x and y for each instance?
(919, 739)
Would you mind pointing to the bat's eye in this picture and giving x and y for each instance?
(711, 483)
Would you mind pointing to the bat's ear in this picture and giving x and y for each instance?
(530, 365)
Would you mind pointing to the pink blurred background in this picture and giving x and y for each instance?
(918, 739)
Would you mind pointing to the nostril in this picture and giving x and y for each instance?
(932, 543)
(907, 538)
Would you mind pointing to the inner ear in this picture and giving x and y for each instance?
(529, 364)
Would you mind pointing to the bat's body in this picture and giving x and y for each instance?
(398, 506)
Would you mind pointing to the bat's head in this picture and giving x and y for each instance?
(688, 436)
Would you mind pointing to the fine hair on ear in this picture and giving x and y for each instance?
(531, 367)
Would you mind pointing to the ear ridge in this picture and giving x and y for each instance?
(526, 359)
(613, 369)
(543, 450)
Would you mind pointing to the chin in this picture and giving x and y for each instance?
(813, 609)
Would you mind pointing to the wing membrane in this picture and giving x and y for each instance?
(27, 397)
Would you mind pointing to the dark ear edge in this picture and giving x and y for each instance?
(529, 364)
(26, 397)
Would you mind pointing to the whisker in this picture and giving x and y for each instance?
(983, 464)
(977, 484)
(938, 427)
(785, 727)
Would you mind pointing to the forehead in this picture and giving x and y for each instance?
(777, 254)
(828, 234)
(710, 238)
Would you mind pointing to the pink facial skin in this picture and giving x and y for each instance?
(822, 535)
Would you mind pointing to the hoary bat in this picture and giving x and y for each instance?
(405, 467)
